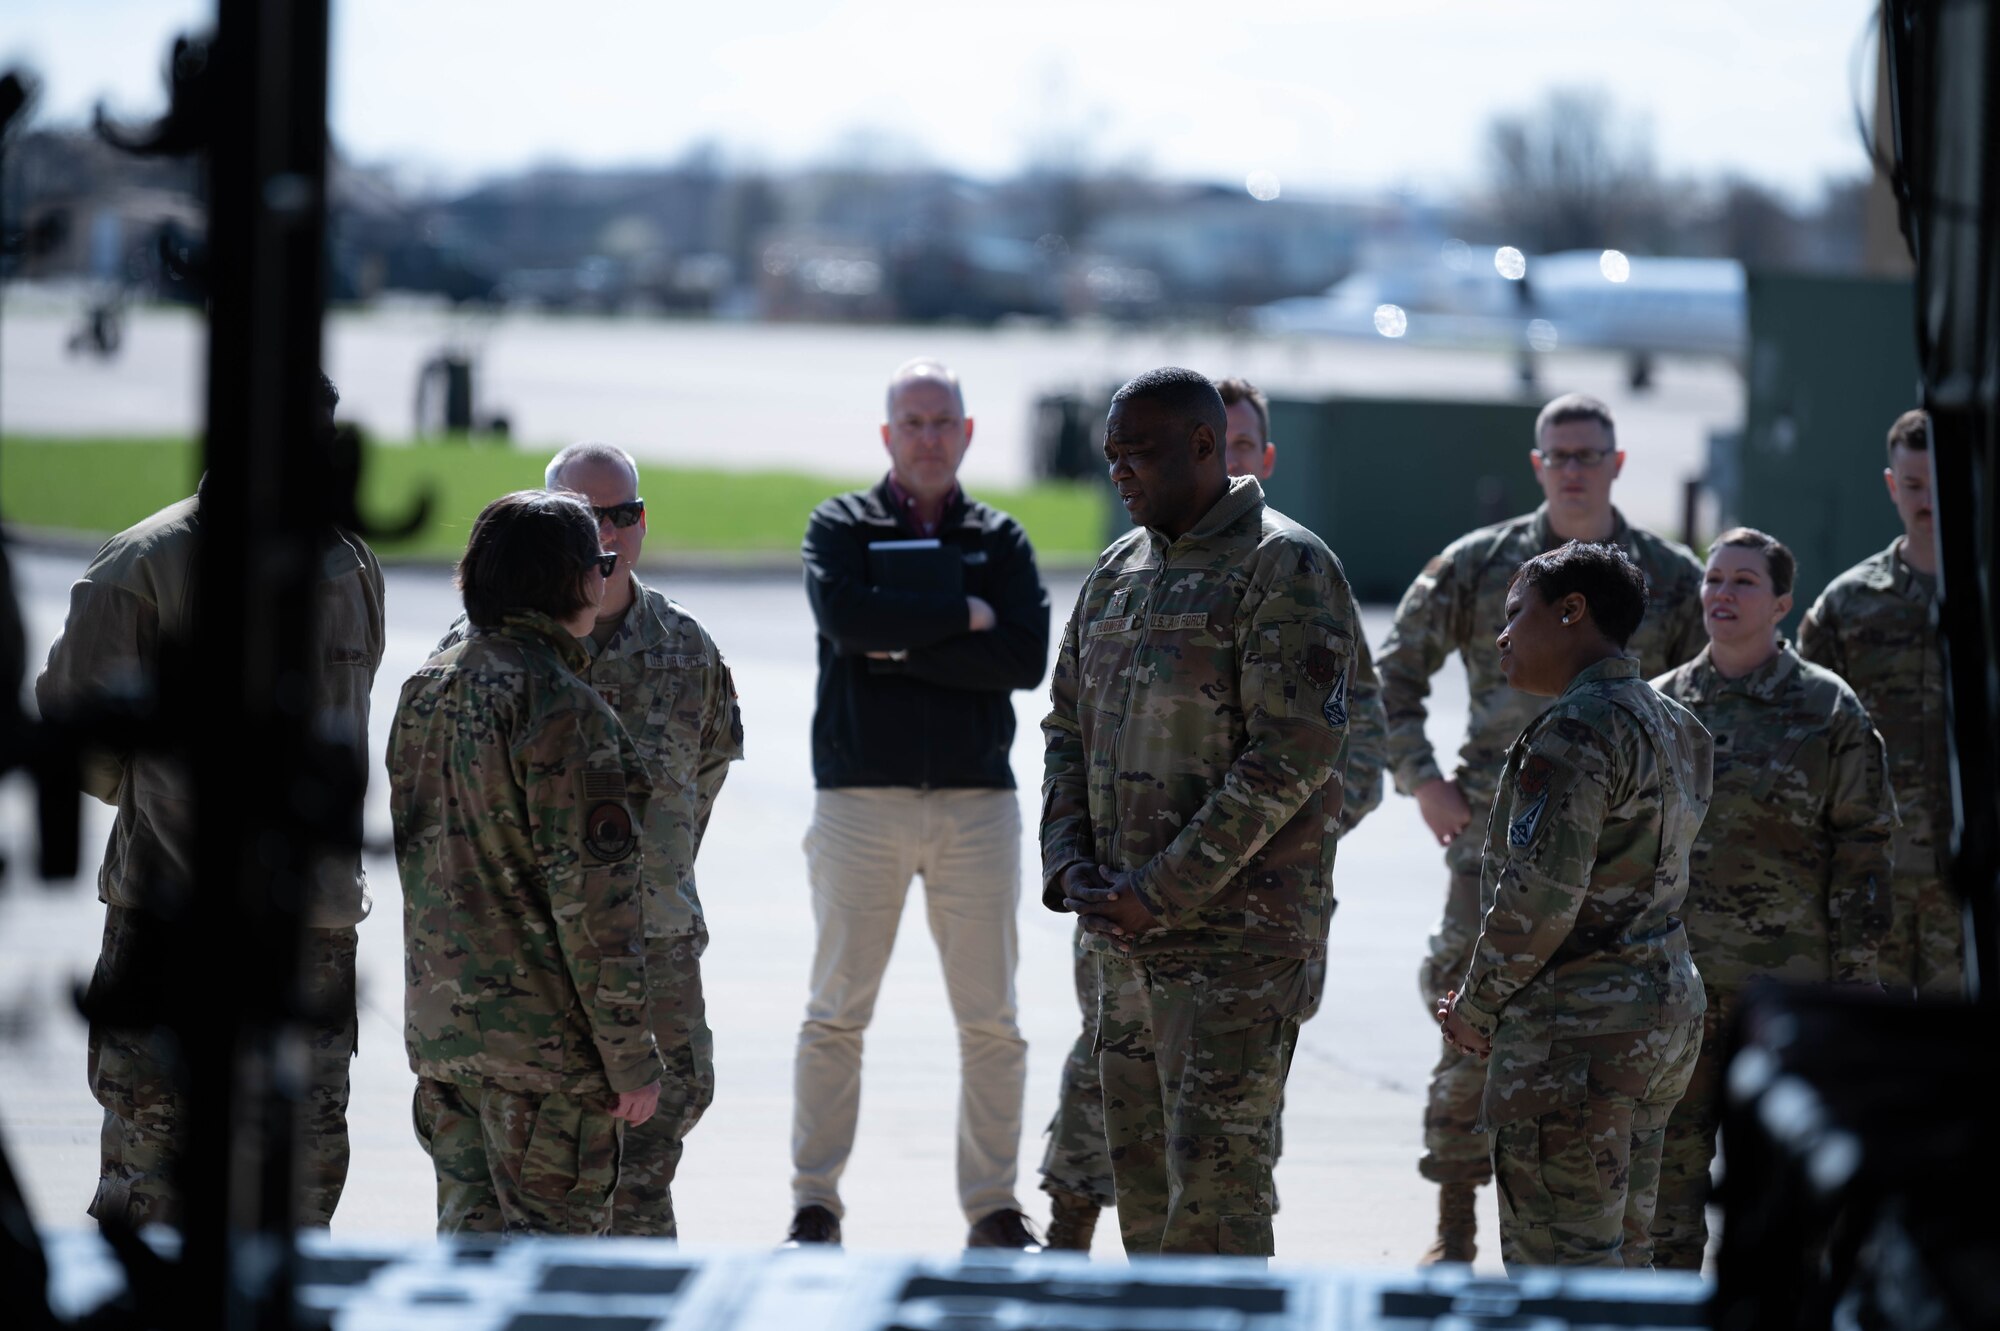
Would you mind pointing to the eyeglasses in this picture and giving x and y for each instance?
(1587, 458)
(621, 515)
(607, 564)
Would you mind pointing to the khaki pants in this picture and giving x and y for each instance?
(862, 850)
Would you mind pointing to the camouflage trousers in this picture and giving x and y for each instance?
(1078, 1161)
(511, 1162)
(1680, 1220)
(1455, 1151)
(1192, 1052)
(1925, 950)
(644, 1203)
(1578, 1168)
(131, 1076)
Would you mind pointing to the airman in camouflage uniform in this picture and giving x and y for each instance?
(135, 602)
(1581, 980)
(1787, 881)
(1876, 627)
(1192, 783)
(1076, 1169)
(517, 801)
(1076, 1165)
(1456, 605)
(663, 675)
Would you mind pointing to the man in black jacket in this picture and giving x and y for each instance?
(910, 758)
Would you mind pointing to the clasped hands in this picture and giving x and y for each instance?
(1458, 1032)
(1445, 809)
(1105, 904)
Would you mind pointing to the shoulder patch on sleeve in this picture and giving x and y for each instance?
(1521, 831)
(1335, 709)
(607, 831)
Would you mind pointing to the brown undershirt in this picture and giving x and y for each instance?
(602, 632)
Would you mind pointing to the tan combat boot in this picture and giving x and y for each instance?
(1072, 1222)
(1458, 1226)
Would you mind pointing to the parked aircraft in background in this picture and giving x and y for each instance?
(1503, 299)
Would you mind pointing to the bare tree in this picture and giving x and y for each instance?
(1572, 174)
(1063, 159)
(1756, 227)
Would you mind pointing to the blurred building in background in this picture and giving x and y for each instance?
(880, 236)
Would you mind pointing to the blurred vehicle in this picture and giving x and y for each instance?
(1503, 299)
(974, 278)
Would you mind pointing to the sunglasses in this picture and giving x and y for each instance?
(621, 515)
(606, 564)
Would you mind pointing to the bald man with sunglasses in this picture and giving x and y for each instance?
(665, 678)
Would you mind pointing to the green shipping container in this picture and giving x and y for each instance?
(1832, 364)
(1389, 482)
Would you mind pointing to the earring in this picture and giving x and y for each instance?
(1565, 619)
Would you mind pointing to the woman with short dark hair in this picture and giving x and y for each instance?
(1582, 990)
(532, 551)
(515, 796)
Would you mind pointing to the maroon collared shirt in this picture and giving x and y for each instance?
(907, 505)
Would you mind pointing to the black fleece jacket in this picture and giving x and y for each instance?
(943, 717)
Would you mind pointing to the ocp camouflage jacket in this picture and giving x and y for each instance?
(129, 610)
(1875, 626)
(1458, 604)
(516, 799)
(1585, 872)
(1198, 727)
(1789, 879)
(666, 679)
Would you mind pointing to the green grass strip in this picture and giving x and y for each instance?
(100, 486)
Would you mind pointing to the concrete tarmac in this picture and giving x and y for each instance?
(1350, 1191)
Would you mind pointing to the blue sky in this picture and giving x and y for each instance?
(1330, 95)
